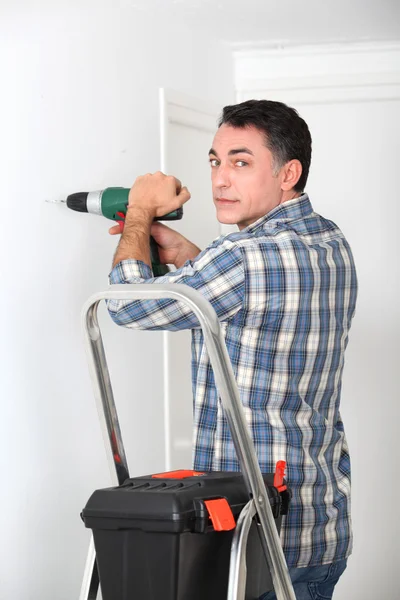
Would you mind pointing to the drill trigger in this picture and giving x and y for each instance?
(120, 222)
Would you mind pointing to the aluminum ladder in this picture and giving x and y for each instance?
(258, 504)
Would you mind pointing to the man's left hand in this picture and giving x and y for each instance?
(157, 194)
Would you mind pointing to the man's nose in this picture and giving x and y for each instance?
(222, 177)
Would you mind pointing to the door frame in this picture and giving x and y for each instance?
(202, 115)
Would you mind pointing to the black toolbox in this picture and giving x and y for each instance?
(168, 536)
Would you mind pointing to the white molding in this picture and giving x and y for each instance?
(166, 397)
(186, 110)
(339, 47)
(320, 73)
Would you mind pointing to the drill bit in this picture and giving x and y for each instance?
(56, 201)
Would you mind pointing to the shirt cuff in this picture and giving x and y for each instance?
(130, 271)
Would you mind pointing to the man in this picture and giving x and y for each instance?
(284, 288)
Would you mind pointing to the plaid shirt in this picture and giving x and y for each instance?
(284, 289)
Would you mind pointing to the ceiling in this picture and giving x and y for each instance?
(283, 22)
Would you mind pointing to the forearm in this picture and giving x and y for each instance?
(220, 267)
(135, 240)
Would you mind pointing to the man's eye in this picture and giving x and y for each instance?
(241, 163)
(213, 162)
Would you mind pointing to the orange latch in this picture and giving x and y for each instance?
(279, 475)
(221, 514)
(180, 474)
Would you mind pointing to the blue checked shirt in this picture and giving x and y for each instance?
(284, 289)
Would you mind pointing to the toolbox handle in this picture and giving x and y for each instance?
(228, 392)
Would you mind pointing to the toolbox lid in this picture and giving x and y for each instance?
(169, 503)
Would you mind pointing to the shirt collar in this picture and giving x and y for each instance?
(291, 210)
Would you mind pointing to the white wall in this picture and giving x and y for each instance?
(350, 98)
(78, 110)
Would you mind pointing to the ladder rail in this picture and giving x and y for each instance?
(90, 582)
(227, 390)
(238, 565)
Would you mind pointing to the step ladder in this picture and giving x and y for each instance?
(258, 505)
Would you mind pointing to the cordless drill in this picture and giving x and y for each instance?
(112, 203)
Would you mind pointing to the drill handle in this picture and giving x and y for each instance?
(158, 268)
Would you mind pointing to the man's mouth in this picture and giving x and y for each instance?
(226, 201)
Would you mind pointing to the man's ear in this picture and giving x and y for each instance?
(291, 172)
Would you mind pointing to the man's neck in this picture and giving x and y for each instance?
(291, 195)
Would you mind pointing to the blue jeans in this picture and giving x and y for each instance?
(314, 583)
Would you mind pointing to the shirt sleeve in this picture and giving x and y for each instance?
(217, 273)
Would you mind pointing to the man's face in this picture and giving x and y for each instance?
(243, 184)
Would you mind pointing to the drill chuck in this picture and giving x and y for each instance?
(78, 201)
(90, 202)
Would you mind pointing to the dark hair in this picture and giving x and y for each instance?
(286, 134)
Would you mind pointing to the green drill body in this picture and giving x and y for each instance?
(114, 200)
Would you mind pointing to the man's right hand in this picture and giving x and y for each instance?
(173, 247)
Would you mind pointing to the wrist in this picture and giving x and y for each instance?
(134, 242)
(188, 251)
(138, 222)
(140, 213)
